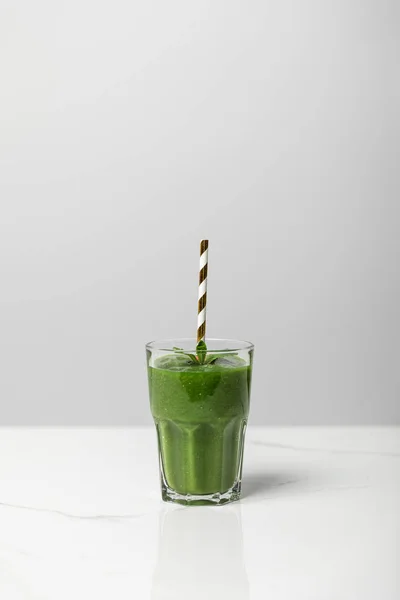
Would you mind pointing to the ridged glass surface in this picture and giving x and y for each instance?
(201, 458)
(200, 414)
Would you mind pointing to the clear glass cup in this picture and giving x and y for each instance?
(200, 406)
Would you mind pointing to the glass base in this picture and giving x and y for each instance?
(217, 499)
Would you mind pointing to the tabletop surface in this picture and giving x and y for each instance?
(81, 517)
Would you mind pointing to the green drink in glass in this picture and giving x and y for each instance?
(200, 406)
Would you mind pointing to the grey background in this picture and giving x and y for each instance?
(129, 130)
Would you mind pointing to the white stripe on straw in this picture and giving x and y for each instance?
(203, 258)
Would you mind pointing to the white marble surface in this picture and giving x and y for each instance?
(81, 518)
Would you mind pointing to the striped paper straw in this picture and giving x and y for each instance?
(201, 306)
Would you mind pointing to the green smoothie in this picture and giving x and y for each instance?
(200, 412)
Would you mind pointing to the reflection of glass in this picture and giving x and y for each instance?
(200, 555)
(200, 410)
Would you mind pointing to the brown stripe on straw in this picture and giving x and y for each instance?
(203, 273)
(201, 332)
(203, 246)
(202, 302)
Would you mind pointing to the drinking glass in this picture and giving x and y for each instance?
(200, 406)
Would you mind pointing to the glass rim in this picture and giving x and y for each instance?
(167, 345)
